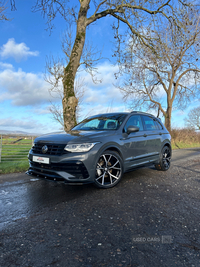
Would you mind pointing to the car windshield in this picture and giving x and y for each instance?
(103, 122)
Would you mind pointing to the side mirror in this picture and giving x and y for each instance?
(132, 129)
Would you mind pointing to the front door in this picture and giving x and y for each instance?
(134, 146)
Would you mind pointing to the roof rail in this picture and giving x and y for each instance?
(142, 112)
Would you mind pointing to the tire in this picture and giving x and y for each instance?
(165, 159)
(109, 170)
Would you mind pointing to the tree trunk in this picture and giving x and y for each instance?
(70, 101)
(168, 117)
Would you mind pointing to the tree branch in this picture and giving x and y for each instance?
(154, 101)
(99, 7)
(179, 78)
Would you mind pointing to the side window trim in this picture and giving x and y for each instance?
(144, 125)
(124, 128)
(160, 125)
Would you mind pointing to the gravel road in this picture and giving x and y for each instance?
(150, 218)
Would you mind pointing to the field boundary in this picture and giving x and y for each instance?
(15, 148)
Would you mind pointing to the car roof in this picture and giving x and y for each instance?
(121, 113)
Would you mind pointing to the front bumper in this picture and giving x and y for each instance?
(71, 168)
(66, 172)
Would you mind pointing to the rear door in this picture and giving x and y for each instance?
(153, 136)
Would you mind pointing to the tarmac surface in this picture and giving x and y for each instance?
(151, 218)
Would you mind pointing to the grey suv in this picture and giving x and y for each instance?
(101, 148)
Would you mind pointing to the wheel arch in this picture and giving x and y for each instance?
(161, 165)
(113, 148)
(166, 143)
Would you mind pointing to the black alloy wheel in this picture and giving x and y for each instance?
(109, 170)
(165, 159)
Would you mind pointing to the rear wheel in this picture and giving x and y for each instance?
(165, 159)
(109, 170)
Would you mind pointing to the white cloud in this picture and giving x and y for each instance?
(105, 92)
(180, 113)
(23, 88)
(41, 110)
(24, 123)
(104, 95)
(5, 66)
(29, 89)
(17, 51)
(105, 72)
(29, 124)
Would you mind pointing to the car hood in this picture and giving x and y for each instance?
(73, 137)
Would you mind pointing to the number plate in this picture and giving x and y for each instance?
(41, 159)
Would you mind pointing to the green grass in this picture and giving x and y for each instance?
(10, 152)
(11, 167)
(180, 145)
(14, 155)
(14, 141)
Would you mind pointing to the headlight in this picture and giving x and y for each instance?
(79, 147)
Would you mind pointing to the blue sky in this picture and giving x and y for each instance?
(24, 97)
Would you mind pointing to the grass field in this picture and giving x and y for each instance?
(14, 154)
(184, 138)
(181, 145)
(11, 167)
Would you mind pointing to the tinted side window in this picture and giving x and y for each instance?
(134, 120)
(159, 126)
(149, 123)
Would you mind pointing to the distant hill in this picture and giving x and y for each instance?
(16, 133)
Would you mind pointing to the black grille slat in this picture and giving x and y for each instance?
(78, 170)
(53, 149)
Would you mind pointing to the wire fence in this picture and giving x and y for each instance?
(14, 148)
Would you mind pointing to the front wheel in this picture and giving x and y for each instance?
(165, 159)
(109, 170)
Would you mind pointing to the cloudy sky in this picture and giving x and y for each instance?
(25, 45)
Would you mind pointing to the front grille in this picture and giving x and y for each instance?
(53, 149)
(77, 169)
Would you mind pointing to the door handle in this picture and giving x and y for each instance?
(160, 133)
(145, 135)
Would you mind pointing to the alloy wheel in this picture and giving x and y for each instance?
(108, 170)
(166, 158)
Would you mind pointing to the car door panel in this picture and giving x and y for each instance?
(134, 146)
(154, 136)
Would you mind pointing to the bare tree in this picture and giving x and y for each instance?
(54, 75)
(131, 13)
(193, 118)
(3, 9)
(57, 92)
(169, 77)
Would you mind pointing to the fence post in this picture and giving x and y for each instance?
(0, 147)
